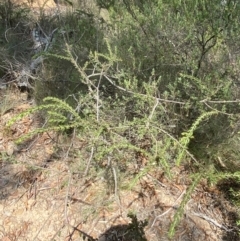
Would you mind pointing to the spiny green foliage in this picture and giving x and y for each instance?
(178, 215)
(187, 136)
(60, 117)
(190, 57)
(164, 153)
(217, 176)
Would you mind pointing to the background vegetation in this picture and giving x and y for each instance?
(151, 84)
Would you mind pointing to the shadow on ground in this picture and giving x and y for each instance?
(131, 232)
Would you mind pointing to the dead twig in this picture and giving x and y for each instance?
(219, 101)
(173, 138)
(166, 212)
(200, 215)
(85, 235)
(88, 163)
(152, 112)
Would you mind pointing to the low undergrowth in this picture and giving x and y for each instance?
(143, 95)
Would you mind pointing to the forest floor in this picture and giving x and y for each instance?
(44, 197)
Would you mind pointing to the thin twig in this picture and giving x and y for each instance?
(155, 179)
(69, 148)
(220, 101)
(46, 221)
(97, 96)
(212, 221)
(152, 112)
(115, 182)
(216, 109)
(57, 233)
(88, 163)
(6, 34)
(67, 197)
(109, 164)
(131, 92)
(90, 238)
(173, 138)
(166, 212)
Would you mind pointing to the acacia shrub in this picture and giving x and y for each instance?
(191, 49)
